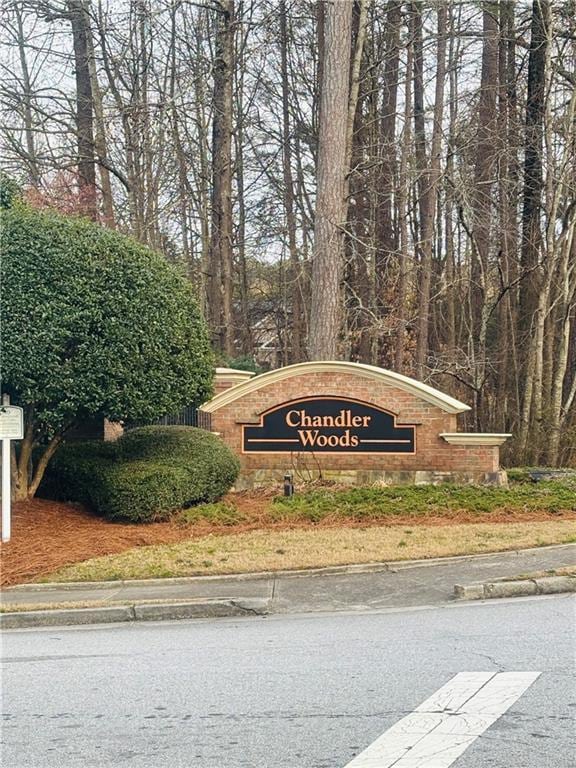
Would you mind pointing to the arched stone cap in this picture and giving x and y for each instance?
(416, 388)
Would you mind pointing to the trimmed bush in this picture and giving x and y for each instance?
(76, 469)
(141, 491)
(213, 466)
(147, 474)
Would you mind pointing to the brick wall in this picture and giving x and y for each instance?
(433, 454)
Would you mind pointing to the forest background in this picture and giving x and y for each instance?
(386, 182)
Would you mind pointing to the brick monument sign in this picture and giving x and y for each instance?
(348, 422)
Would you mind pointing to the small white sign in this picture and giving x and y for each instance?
(11, 422)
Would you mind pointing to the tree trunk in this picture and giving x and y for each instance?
(355, 88)
(245, 334)
(325, 314)
(387, 237)
(297, 340)
(484, 176)
(566, 302)
(84, 108)
(429, 172)
(207, 264)
(402, 197)
(27, 475)
(221, 260)
(506, 401)
(358, 318)
(533, 177)
(100, 143)
(31, 157)
(448, 333)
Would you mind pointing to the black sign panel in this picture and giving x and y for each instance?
(328, 425)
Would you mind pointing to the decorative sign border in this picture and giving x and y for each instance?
(358, 424)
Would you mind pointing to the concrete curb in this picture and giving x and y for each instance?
(200, 609)
(392, 565)
(547, 585)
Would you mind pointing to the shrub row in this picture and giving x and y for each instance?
(146, 475)
(375, 503)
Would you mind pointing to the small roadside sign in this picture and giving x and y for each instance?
(11, 428)
(11, 422)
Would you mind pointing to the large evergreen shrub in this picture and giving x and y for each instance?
(93, 325)
(146, 475)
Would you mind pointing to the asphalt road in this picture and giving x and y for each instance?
(307, 691)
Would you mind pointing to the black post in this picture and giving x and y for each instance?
(288, 486)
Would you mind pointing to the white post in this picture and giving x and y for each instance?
(6, 489)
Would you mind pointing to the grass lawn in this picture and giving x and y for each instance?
(315, 547)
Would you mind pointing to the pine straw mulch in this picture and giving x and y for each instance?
(48, 535)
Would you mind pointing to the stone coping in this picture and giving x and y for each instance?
(233, 374)
(416, 388)
(475, 438)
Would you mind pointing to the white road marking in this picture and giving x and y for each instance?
(443, 726)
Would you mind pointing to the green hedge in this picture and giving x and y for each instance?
(75, 470)
(146, 475)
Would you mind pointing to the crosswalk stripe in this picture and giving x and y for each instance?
(444, 726)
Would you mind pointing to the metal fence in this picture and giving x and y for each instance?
(188, 417)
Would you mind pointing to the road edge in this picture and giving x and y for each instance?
(546, 585)
(198, 609)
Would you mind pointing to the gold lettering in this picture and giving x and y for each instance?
(313, 437)
(290, 422)
(308, 437)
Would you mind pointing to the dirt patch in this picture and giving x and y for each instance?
(48, 535)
